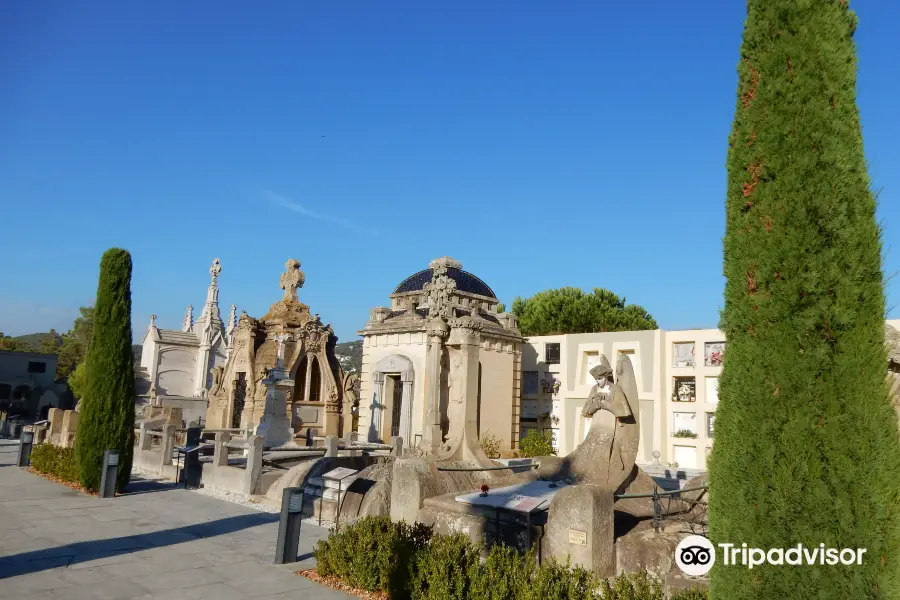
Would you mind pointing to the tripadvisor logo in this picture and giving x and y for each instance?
(695, 555)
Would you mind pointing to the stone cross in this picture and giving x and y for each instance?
(214, 270)
(292, 280)
(152, 320)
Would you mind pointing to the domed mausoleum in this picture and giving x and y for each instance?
(411, 360)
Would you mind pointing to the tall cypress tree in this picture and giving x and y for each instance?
(107, 415)
(807, 450)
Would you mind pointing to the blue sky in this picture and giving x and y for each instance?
(541, 144)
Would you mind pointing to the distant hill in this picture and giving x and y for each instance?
(34, 340)
(349, 354)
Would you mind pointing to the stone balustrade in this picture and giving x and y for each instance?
(155, 459)
(242, 479)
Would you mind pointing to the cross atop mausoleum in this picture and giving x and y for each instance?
(292, 280)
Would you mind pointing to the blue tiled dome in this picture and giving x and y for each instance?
(465, 282)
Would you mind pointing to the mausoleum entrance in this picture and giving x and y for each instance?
(392, 400)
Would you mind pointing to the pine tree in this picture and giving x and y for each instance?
(806, 450)
(107, 414)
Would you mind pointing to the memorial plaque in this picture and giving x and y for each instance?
(307, 414)
(339, 474)
(578, 538)
(528, 505)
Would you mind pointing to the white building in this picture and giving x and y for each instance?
(677, 374)
(28, 385)
(176, 365)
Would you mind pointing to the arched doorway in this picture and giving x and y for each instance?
(391, 408)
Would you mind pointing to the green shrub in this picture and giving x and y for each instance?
(56, 461)
(557, 581)
(408, 562)
(490, 445)
(634, 586)
(536, 443)
(373, 554)
(694, 594)
(444, 569)
(504, 575)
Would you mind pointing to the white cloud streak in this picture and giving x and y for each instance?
(285, 202)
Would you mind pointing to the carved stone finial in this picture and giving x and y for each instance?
(214, 270)
(292, 280)
(188, 319)
(440, 265)
(152, 320)
(437, 294)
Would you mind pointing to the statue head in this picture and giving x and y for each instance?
(601, 372)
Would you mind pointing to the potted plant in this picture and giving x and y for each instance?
(685, 433)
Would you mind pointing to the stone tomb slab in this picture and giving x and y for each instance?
(522, 498)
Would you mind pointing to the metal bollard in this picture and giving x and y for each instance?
(108, 474)
(288, 544)
(25, 444)
(193, 469)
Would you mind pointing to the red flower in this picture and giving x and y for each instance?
(485, 489)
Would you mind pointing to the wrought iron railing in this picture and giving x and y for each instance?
(694, 519)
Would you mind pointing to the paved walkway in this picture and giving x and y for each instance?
(154, 543)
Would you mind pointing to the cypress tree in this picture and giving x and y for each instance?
(107, 414)
(807, 450)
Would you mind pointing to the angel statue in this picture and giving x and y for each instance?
(607, 455)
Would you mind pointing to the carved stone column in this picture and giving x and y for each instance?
(432, 436)
(406, 409)
(274, 426)
(309, 362)
(375, 412)
(462, 437)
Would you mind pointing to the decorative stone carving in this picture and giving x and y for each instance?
(214, 270)
(232, 322)
(440, 265)
(292, 280)
(152, 320)
(438, 292)
(188, 322)
(379, 314)
(606, 457)
(436, 328)
(269, 351)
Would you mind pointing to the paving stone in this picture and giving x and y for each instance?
(59, 544)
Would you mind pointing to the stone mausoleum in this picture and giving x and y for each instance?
(407, 366)
(281, 376)
(176, 365)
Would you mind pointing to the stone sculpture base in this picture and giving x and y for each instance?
(580, 528)
(416, 479)
(275, 426)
